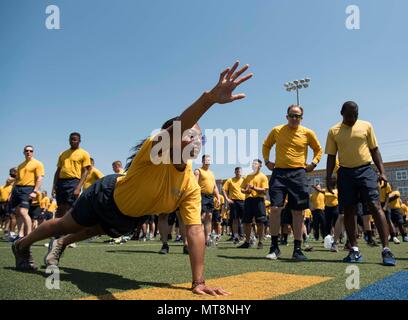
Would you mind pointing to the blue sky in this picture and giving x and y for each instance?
(117, 69)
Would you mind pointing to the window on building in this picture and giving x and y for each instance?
(401, 175)
(403, 191)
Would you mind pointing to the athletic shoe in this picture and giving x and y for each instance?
(74, 245)
(54, 254)
(185, 250)
(178, 238)
(273, 254)
(353, 257)
(405, 239)
(309, 248)
(396, 241)
(24, 258)
(245, 245)
(268, 236)
(164, 249)
(334, 247)
(372, 243)
(236, 241)
(260, 245)
(46, 245)
(298, 255)
(388, 258)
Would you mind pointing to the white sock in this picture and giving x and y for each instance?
(355, 248)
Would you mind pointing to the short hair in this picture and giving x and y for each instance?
(117, 162)
(92, 159)
(237, 168)
(204, 156)
(294, 106)
(349, 104)
(14, 169)
(259, 161)
(29, 145)
(75, 134)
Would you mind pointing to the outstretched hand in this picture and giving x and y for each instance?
(202, 289)
(228, 82)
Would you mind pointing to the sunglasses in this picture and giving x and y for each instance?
(27, 150)
(295, 116)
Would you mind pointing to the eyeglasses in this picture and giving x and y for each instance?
(28, 150)
(295, 116)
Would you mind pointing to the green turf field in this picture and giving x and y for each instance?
(99, 269)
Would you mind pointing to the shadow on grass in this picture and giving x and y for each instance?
(290, 260)
(132, 251)
(93, 283)
(97, 283)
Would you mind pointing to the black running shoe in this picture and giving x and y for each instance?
(298, 255)
(164, 249)
(185, 250)
(245, 245)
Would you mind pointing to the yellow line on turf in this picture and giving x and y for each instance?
(247, 286)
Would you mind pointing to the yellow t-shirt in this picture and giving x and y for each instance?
(404, 209)
(352, 143)
(292, 146)
(317, 199)
(92, 177)
(331, 199)
(206, 181)
(385, 190)
(268, 207)
(232, 188)
(158, 188)
(28, 172)
(258, 180)
(222, 201)
(52, 207)
(308, 214)
(45, 203)
(71, 162)
(5, 192)
(396, 204)
(225, 215)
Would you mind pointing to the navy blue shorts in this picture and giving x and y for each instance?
(254, 208)
(207, 203)
(237, 209)
(48, 215)
(34, 212)
(3, 209)
(20, 197)
(64, 191)
(291, 183)
(357, 184)
(286, 216)
(216, 216)
(96, 206)
(173, 219)
(396, 217)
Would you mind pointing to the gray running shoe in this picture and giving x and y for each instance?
(54, 254)
(24, 257)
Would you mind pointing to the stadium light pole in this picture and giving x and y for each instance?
(297, 85)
